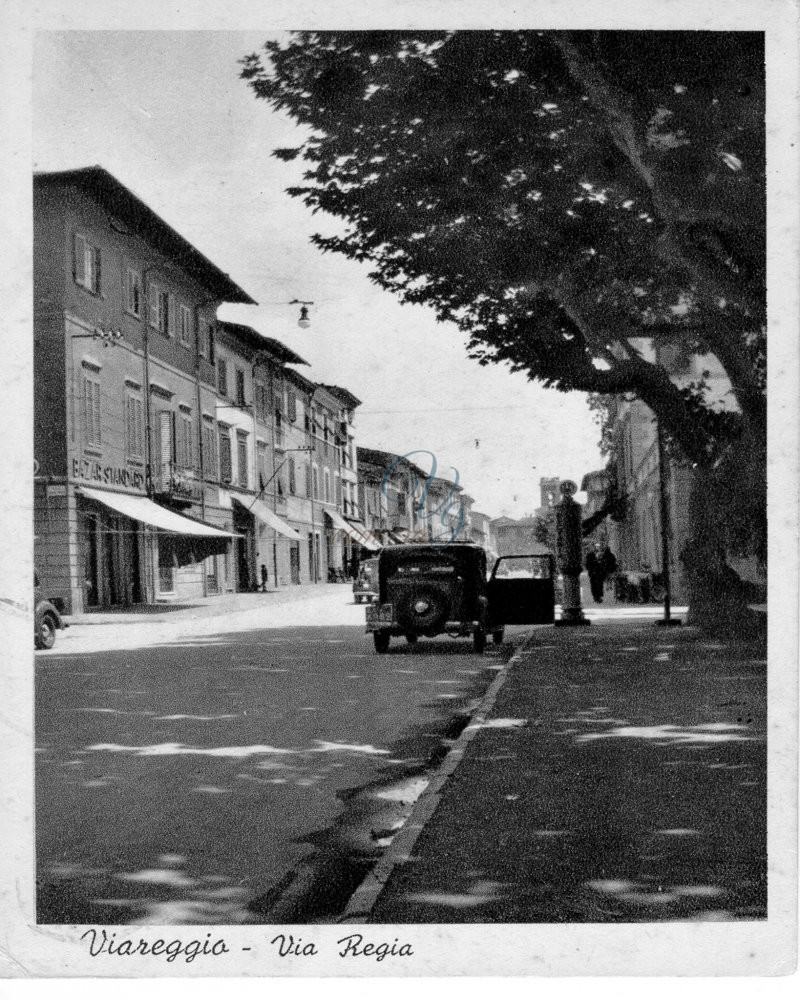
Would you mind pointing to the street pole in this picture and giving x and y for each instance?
(569, 547)
(663, 503)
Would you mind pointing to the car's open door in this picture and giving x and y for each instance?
(521, 590)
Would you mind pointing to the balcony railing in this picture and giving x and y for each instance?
(176, 482)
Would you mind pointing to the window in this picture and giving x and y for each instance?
(86, 265)
(308, 480)
(161, 308)
(315, 482)
(133, 296)
(327, 486)
(241, 457)
(185, 442)
(134, 426)
(240, 400)
(261, 401)
(222, 377)
(165, 448)
(225, 459)
(91, 410)
(209, 449)
(185, 326)
(292, 480)
(291, 406)
(261, 461)
(338, 482)
(166, 564)
(205, 340)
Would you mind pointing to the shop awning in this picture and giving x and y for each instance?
(339, 522)
(365, 536)
(262, 512)
(148, 512)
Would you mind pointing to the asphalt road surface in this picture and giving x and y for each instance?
(187, 773)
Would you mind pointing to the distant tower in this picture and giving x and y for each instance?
(549, 490)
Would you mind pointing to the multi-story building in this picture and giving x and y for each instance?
(635, 472)
(253, 486)
(401, 503)
(481, 531)
(124, 397)
(516, 537)
(177, 455)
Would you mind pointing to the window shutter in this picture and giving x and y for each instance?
(97, 276)
(96, 407)
(152, 304)
(171, 317)
(79, 260)
(87, 410)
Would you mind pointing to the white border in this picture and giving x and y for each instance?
(764, 948)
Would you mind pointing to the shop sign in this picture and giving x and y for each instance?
(111, 475)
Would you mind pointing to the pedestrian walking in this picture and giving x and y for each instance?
(264, 578)
(600, 564)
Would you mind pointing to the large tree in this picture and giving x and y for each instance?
(557, 195)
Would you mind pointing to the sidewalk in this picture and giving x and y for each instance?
(615, 773)
(208, 607)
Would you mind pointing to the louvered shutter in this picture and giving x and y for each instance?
(97, 275)
(129, 440)
(171, 317)
(96, 410)
(87, 410)
(152, 305)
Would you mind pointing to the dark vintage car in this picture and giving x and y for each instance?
(46, 618)
(365, 585)
(427, 590)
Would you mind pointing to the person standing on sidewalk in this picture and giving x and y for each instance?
(600, 564)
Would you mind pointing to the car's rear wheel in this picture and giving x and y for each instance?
(479, 640)
(411, 638)
(45, 636)
(381, 640)
(358, 598)
(498, 635)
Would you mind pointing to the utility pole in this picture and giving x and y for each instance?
(663, 504)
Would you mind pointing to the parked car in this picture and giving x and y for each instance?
(365, 585)
(428, 590)
(46, 618)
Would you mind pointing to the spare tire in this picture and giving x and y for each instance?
(423, 608)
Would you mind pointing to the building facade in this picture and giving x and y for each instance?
(176, 455)
(124, 325)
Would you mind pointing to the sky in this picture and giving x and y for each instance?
(166, 113)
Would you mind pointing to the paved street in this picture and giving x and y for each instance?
(183, 765)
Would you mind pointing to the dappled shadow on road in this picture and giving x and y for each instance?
(621, 777)
(178, 782)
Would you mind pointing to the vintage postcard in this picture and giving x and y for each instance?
(401, 441)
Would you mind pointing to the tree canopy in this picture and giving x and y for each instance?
(558, 195)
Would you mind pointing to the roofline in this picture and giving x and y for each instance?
(259, 342)
(347, 397)
(97, 183)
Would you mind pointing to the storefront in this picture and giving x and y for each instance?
(132, 548)
(263, 534)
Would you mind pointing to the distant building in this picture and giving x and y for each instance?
(516, 537)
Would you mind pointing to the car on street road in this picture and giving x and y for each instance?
(365, 585)
(46, 619)
(429, 590)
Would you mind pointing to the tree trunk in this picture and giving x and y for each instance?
(727, 512)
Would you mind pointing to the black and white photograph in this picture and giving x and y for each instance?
(401, 491)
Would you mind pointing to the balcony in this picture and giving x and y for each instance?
(176, 483)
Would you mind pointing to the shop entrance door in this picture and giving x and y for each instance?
(294, 562)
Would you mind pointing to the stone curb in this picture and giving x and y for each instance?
(363, 900)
